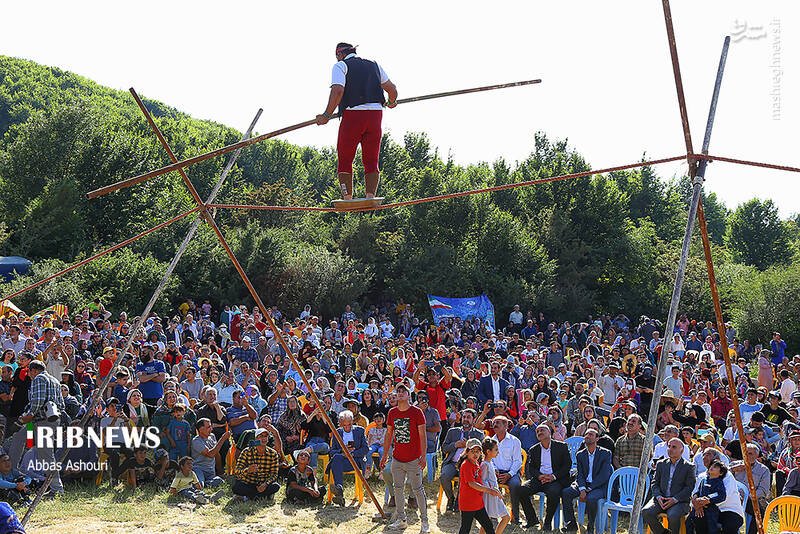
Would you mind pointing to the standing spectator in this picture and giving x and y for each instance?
(44, 389)
(591, 485)
(628, 448)
(515, 317)
(548, 469)
(256, 470)
(788, 386)
(406, 434)
(778, 347)
(495, 508)
(241, 416)
(672, 488)
(470, 490)
(151, 375)
(492, 387)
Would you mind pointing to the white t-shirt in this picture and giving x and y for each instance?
(339, 76)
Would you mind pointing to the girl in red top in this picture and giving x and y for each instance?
(470, 500)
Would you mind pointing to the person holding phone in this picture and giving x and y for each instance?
(355, 439)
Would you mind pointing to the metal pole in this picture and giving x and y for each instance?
(98, 393)
(697, 182)
(201, 157)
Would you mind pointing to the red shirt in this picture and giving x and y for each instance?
(469, 499)
(406, 433)
(437, 396)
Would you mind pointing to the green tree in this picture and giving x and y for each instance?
(757, 235)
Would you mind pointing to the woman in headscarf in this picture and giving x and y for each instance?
(588, 414)
(289, 425)
(370, 404)
(136, 410)
(765, 373)
(83, 379)
(528, 379)
(470, 386)
(541, 387)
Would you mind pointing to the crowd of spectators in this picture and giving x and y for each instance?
(536, 408)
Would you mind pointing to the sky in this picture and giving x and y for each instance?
(607, 84)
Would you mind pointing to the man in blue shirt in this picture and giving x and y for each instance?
(244, 353)
(151, 374)
(241, 416)
(778, 347)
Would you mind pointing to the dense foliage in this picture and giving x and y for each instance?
(568, 248)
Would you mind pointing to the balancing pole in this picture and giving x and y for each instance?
(201, 157)
(212, 223)
(98, 392)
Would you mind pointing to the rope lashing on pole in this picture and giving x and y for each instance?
(241, 144)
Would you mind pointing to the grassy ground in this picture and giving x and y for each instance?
(105, 510)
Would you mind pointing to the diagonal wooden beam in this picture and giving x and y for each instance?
(211, 223)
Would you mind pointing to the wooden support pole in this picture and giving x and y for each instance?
(241, 144)
(98, 392)
(211, 223)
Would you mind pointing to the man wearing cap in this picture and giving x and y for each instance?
(256, 470)
(453, 447)
(707, 441)
(357, 88)
(774, 413)
(591, 485)
(788, 460)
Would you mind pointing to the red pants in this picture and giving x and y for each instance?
(359, 126)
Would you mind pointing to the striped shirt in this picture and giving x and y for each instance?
(267, 464)
(628, 451)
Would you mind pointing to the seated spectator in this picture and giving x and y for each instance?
(15, 488)
(761, 477)
(548, 468)
(205, 451)
(256, 470)
(301, 482)
(526, 430)
(355, 440)
(290, 425)
(672, 489)
(138, 469)
(731, 513)
(188, 486)
(591, 485)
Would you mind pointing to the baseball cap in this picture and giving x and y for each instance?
(472, 443)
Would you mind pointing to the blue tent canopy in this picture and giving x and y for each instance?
(9, 264)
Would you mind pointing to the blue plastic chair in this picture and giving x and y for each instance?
(626, 478)
(431, 461)
(574, 444)
(557, 517)
(744, 492)
(582, 513)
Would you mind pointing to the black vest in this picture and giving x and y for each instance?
(362, 84)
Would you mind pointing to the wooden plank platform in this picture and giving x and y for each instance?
(357, 203)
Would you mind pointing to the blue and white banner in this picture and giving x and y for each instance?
(470, 307)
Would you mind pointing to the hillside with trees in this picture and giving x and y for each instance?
(603, 243)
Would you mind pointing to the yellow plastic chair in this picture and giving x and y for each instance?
(359, 486)
(788, 507)
(665, 523)
(441, 492)
(102, 461)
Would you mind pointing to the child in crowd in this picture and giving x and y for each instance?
(375, 436)
(178, 432)
(495, 508)
(712, 487)
(188, 486)
(301, 484)
(470, 500)
(139, 469)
